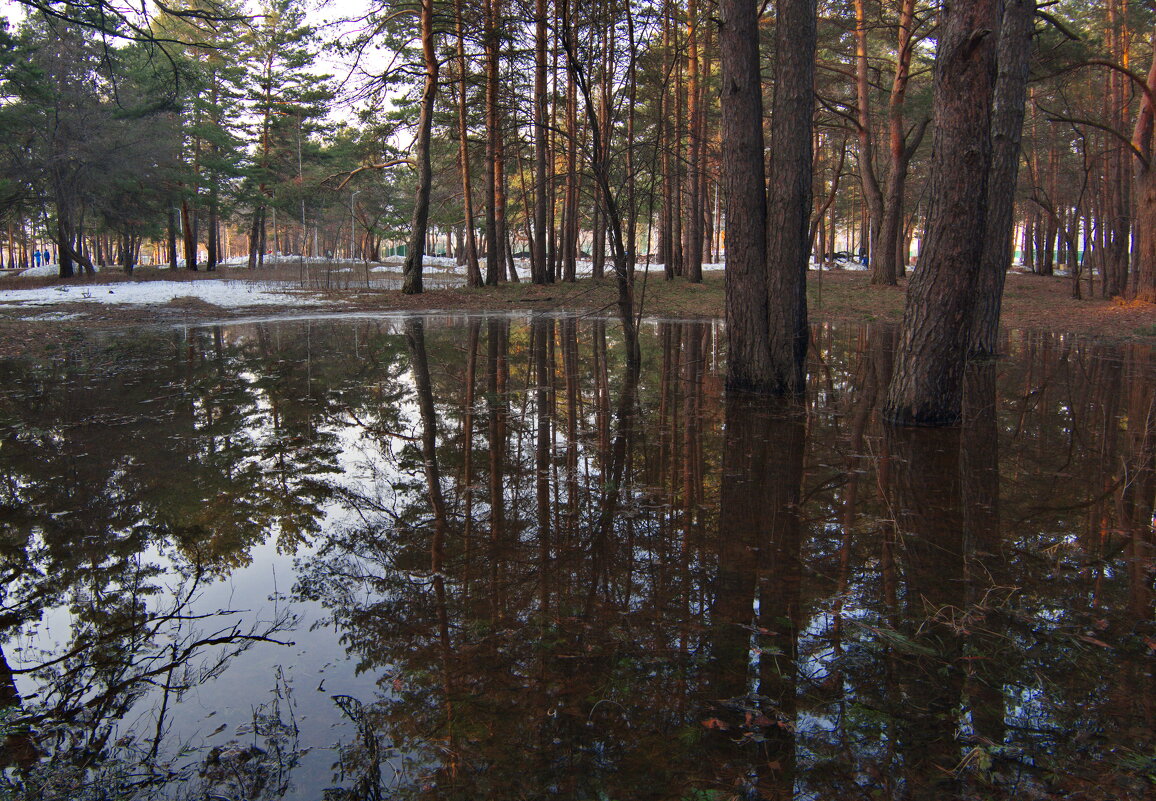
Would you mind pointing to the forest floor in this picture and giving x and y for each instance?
(61, 311)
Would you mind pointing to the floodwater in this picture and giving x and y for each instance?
(478, 558)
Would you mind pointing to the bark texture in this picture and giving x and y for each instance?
(412, 270)
(928, 385)
(789, 202)
(1142, 143)
(1007, 125)
(744, 188)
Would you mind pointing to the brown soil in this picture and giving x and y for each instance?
(1030, 303)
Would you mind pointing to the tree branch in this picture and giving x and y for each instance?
(382, 166)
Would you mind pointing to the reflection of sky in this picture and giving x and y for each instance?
(315, 668)
(843, 707)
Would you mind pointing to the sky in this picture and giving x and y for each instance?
(334, 20)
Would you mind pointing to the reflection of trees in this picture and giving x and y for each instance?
(600, 639)
(132, 473)
(130, 637)
(577, 579)
(756, 611)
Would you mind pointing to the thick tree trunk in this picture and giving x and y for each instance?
(63, 242)
(1007, 124)
(928, 385)
(412, 270)
(1142, 141)
(1145, 252)
(1118, 215)
(744, 190)
(789, 202)
(257, 238)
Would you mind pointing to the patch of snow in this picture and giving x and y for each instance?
(222, 293)
(43, 271)
(54, 317)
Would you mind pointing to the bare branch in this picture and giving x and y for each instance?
(382, 166)
(1057, 117)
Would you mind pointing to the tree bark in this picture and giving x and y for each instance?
(411, 283)
(473, 270)
(692, 249)
(928, 385)
(189, 219)
(539, 273)
(494, 251)
(744, 188)
(789, 202)
(172, 236)
(600, 149)
(1006, 133)
(1142, 142)
(886, 258)
(872, 192)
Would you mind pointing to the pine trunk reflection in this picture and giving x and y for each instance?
(517, 563)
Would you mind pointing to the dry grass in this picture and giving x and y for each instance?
(1030, 302)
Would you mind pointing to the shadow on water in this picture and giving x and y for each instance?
(515, 565)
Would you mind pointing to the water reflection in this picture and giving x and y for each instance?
(555, 574)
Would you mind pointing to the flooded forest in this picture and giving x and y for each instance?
(464, 557)
(585, 549)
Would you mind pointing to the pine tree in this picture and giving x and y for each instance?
(288, 104)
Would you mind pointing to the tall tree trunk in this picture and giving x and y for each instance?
(257, 237)
(63, 241)
(539, 272)
(411, 271)
(1116, 173)
(600, 150)
(494, 251)
(1142, 141)
(570, 205)
(1007, 124)
(506, 269)
(692, 249)
(927, 388)
(213, 235)
(886, 259)
(631, 178)
(744, 190)
(189, 221)
(174, 222)
(473, 270)
(789, 202)
(872, 193)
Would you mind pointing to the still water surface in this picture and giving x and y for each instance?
(477, 558)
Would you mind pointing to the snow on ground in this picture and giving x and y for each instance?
(45, 271)
(224, 293)
(234, 293)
